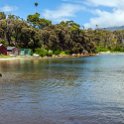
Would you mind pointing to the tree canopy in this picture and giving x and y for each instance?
(39, 33)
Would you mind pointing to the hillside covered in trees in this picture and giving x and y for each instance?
(42, 36)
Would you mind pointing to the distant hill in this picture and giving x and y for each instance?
(115, 28)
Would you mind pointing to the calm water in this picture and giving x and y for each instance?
(65, 91)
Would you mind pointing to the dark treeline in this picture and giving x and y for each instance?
(40, 34)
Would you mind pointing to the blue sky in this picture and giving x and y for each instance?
(88, 13)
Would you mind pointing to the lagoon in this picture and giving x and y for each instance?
(87, 90)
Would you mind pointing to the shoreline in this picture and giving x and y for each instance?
(57, 56)
(109, 52)
(45, 57)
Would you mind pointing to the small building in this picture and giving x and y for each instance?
(13, 51)
(25, 52)
(3, 49)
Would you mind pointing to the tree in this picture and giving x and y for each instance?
(38, 22)
(36, 5)
(33, 19)
(2, 16)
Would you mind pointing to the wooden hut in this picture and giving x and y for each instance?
(25, 52)
(3, 49)
(12, 51)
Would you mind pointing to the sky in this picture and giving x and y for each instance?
(87, 13)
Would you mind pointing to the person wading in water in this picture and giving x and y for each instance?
(0, 75)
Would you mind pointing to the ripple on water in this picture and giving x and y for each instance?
(86, 90)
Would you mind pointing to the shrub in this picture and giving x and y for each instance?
(101, 49)
(3, 41)
(41, 51)
(49, 53)
(57, 52)
(63, 53)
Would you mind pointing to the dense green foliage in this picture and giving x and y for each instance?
(44, 38)
(107, 40)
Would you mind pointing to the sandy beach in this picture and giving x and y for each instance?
(46, 57)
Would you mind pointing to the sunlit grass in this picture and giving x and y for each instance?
(4, 56)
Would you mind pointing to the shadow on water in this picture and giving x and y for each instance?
(86, 90)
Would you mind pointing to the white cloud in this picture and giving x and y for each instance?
(8, 8)
(63, 12)
(108, 3)
(112, 16)
(102, 17)
(107, 19)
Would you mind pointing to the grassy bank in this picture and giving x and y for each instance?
(112, 50)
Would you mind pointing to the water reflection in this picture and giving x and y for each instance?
(64, 91)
